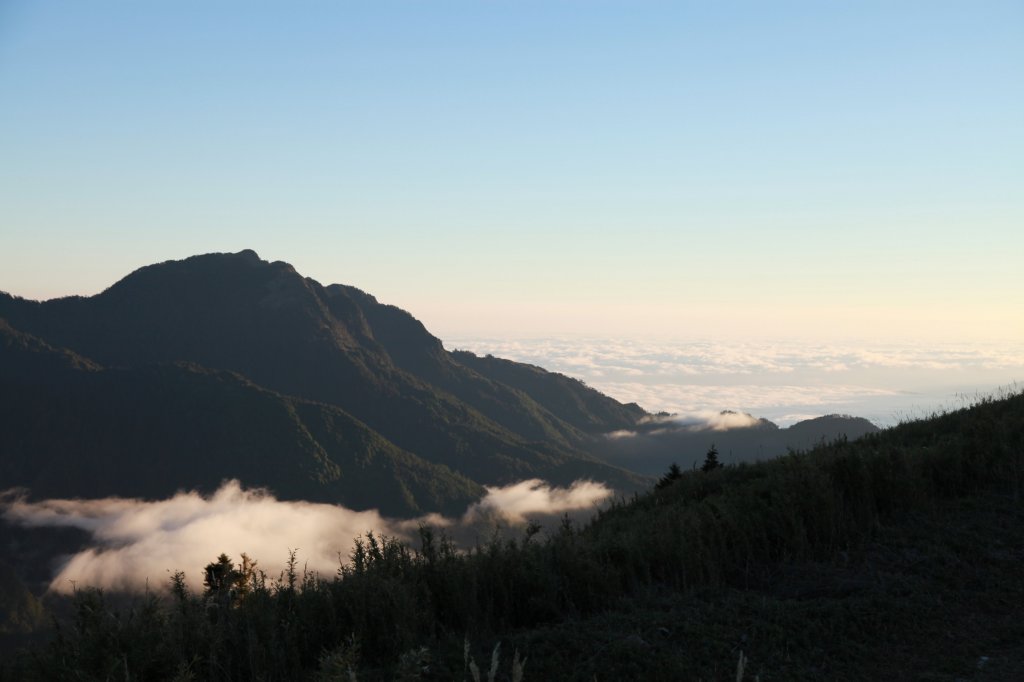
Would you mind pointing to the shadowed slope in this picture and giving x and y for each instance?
(74, 429)
(415, 350)
(569, 399)
(286, 333)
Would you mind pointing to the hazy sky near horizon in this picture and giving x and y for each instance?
(727, 169)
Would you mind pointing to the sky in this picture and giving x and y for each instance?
(523, 169)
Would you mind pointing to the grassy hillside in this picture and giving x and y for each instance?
(894, 557)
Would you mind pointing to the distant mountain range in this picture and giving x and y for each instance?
(186, 373)
(661, 439)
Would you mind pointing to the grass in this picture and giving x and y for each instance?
(924, 600)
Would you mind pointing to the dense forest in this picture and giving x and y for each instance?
(895, 556)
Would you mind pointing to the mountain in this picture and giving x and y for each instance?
(805, 434)
(226, 365)
(567, 398)
(76, 429)
(656, 442)
(413, 349)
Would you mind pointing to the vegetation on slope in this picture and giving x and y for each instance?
(415, 350)
(334, 345)
(73, 428)
(814, 564)
(569, 399)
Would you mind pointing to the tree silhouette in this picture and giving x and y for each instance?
(674, 473)
(711, 460)
(221, 576)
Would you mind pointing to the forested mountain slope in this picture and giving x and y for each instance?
(281, 366)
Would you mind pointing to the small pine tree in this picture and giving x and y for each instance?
(711, 460)
(674, 473)
(220, 575)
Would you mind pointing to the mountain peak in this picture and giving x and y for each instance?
(337, 346)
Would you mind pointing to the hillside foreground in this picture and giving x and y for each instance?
(894, 557)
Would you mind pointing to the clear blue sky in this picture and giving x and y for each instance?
(525, 168)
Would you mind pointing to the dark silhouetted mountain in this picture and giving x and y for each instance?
(412, 348)
(262, 344)
(655, 443)
(568, 399)
(806, 434)
(72, 429)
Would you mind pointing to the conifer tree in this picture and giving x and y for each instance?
(221, 576)
(711, 460)
(674, 473)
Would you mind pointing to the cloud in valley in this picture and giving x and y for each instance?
(138, 543)
(516, 502)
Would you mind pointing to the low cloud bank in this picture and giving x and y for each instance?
(140, 543)
(535, 497)
(714, 421)
(723, 421)
(692, 423)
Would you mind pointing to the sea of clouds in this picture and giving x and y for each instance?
(784, 381)
(139, 544)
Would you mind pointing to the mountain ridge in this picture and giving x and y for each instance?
(78, 432)
(234, 324)
(660, 440)
(332, 345)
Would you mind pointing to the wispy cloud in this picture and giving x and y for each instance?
(517, 502)
(723, 421)
(138, 543)
(699, 421)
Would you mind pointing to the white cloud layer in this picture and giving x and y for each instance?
(139, 543)
(783, 381)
